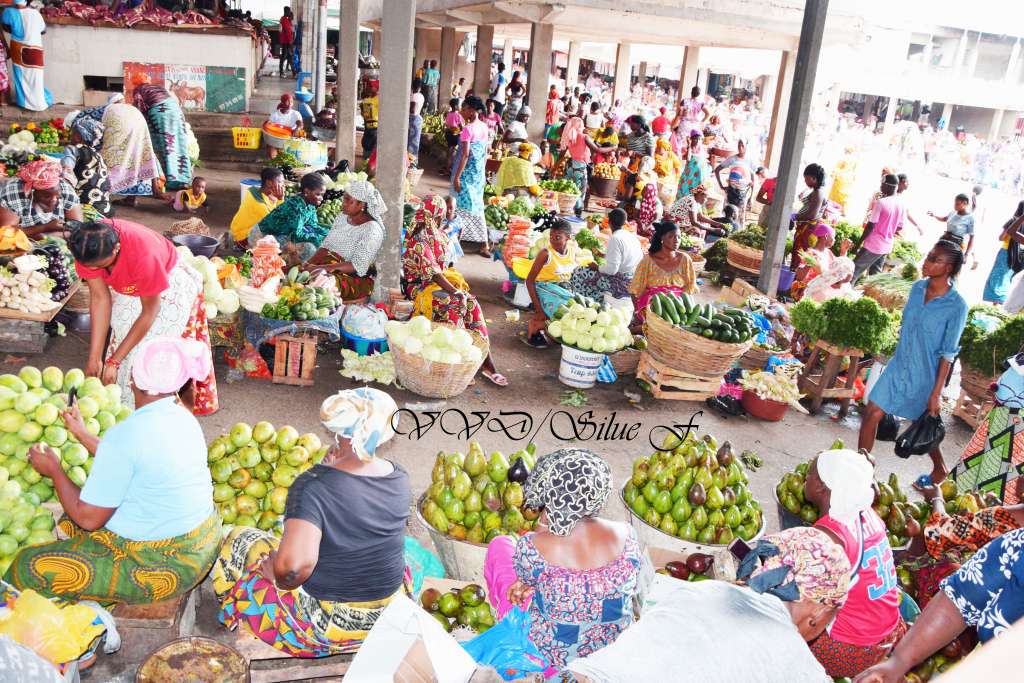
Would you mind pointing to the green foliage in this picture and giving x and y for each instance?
(520, 206)
(586, 240)
(563, 185)
(860, 324)
(715, 256)
(985, 351)
(846, 231)
(905, 251)
(751, 236)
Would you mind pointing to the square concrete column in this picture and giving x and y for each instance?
(960, 56)
(541, 37)
(996, 125)
(422, 51)
(890, 113)
(947, 115)
(1013, 64)
(780, 110)
(688, 71)
(641, 73)
(572, 69)
(320, 58)
(623, 73)
(507, 54)
(449, 49)
(375, 44)
(397, 23)
(348, 80)
(482, 67)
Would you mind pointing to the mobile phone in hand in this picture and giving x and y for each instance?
(739, 549)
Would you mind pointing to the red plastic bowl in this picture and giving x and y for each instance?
(770, 411)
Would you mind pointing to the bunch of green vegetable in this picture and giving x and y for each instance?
(490, 191)
(538, 210)
(244, 263)
(563, 185)
(860, 324)
(715, 256)
(587, 240)
(751, 236)
(496, 217)
(433, 128)
(905, 251)
(846, 231)
(284, 160)
(984, 349)
(520, 206)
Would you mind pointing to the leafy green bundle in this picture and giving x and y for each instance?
(984, 349)
(860, 324)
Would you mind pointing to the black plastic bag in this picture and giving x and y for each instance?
(922, 436)
(888, 428)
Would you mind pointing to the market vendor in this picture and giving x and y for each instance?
(577, 573)
(285, 115)
(170, 135)
(549, 276)
(516, 171)
(986, 593)
(294, 221)
(688, 213)
(639, 143)
(39, 200)
(812, 206)
(577, 148)
(622, 256)
(143, 528)
(349, 251)
(441, 294)
(318, 589)
(793, 583)
(695, 170)
(257, 202)
(665, 268)
(607, 141)
(817, 258)
(516, 131)
(834, 283)
(138, 289)
(667, 163)
(128, 151)
(83, 164)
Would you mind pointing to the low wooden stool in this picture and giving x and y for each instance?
(144, 628)
(972, 410)
(269, 665)
(821, 387)
(294, 359)
(675, 385)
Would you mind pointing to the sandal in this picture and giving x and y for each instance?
(537, 341)
(496, 378)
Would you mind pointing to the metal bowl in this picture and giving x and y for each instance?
(199, 245)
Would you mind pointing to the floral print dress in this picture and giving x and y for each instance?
(987, 588)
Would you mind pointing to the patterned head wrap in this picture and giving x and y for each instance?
(164, 364)
(40, 175)
(801, 563)
(364, 191)
(362, 416)
(570, 484)
(432, 211)
(69, 120)
(89, 129)
(849, 476)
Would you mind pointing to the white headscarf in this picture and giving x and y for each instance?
(361, 415)
(849, 476)
(364, 191)
(70, 118)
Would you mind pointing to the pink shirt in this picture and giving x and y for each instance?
(474, 132)
(454, 120)
(887, 215)
(872, 608)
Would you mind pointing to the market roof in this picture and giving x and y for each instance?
(727, 23)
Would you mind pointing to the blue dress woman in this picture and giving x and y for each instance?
(912, 382)
(468, 174)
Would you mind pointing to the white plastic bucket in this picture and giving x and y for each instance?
(245, 184)
(522, 296)
(579, 368)
(873, 375)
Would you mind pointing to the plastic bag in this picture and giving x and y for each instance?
(54, 633)
(507, 648)
(421, 562)
(922, 436)
(888, 428)
(364, 321)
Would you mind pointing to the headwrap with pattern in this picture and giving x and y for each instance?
(361, 415)
(432, 211)
(570, 484)
(89, 129)
(364, 191)
(40, 175)
(801, 563)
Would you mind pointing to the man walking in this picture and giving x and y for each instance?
(286, 38)
(885, 221)
(498, 89)
(431, 79)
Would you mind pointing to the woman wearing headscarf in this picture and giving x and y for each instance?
(350, 249)
(468, 177)
(283, 115)
(441, 294)
(817, 258)
(645, 204)
(84, 166)
(167, 129)
(138, 289)
(834, 283)
(688, 213)
(639, 142)
(792, 583)
(576, 573)
(516, 171)
(294, 221)
(143, 528)
(840, 483)
(319, 589)
(128, 150)
(39, 200)
(695, 170)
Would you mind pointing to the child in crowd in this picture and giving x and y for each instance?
(453, 123)
(959, 225)
(730, 217)
(547, 160)
(452, 228)
(192, 199)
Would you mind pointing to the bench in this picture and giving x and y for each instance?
(146, 627)
(268, 665)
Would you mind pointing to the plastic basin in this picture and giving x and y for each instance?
(770, 411)
(199, 245)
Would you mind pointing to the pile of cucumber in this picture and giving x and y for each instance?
(730, 325)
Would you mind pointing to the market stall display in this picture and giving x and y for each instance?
(745, 249)
(989, 337)
(705, 343)
(891, 289)
(461, 605)
(432, 359)
(605, 181)
(767, 395)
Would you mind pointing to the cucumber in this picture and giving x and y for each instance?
(702, 322)
(656, 307)
(710, 334)
(670, 311)
(688, 303)
(680, 307)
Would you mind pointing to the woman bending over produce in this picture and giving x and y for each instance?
(793, 582)
(295, 220)
(441, 294)
(933, 319)
(39, 200)
(577, 574)
(143, 529)
(138, 289)
(350, 249)
(549, 277)
(665, 268)
(319, 589)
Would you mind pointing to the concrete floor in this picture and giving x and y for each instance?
(534, 388)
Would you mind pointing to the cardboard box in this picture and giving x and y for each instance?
(650, 584)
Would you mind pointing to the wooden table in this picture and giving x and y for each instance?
(821, 387)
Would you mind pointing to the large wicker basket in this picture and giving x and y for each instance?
(79, 301)
(413, 175)
(567, 202)
(689, 352)
(436, 380)
(755, 358)
(974, 383)
(625, 361)
(743, 258)
(698, 263)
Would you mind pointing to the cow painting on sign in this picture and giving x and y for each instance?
(188, 95)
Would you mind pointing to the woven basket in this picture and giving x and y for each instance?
(567, 202)
(436, 380)
(698, 263)
(974, 383)
(755, 358)
(413, 175)
(689, 352)
(625, 361)
(604, 187)
(79, 301)
(743, 258)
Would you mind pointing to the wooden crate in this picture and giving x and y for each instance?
(294, 359)
(22, 336)
(673, 385)
(972, 410)
(12, 314)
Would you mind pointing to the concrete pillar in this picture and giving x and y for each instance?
(507, 54)
(1013, 65)
(539, 76)
(449, 50)
(422, 51)
(641, 74)
(623, 73)
(780, 110)
(320, 62)
(348, 80)
(997, 123)
(688, 71)
(308, 18)
(947, 114)
(572, 69)
(397, 23)
(890, 113)
(375, 44)
(770, 85)
(482, 67)
(788, 177)
(961, 54)
(972, 58)
(869, 108)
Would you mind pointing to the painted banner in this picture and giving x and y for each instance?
(198, 88)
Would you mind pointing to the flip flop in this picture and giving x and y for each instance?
(924, 481)
(496, 378)
(543, 344)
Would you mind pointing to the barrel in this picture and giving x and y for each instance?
(579, 368)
